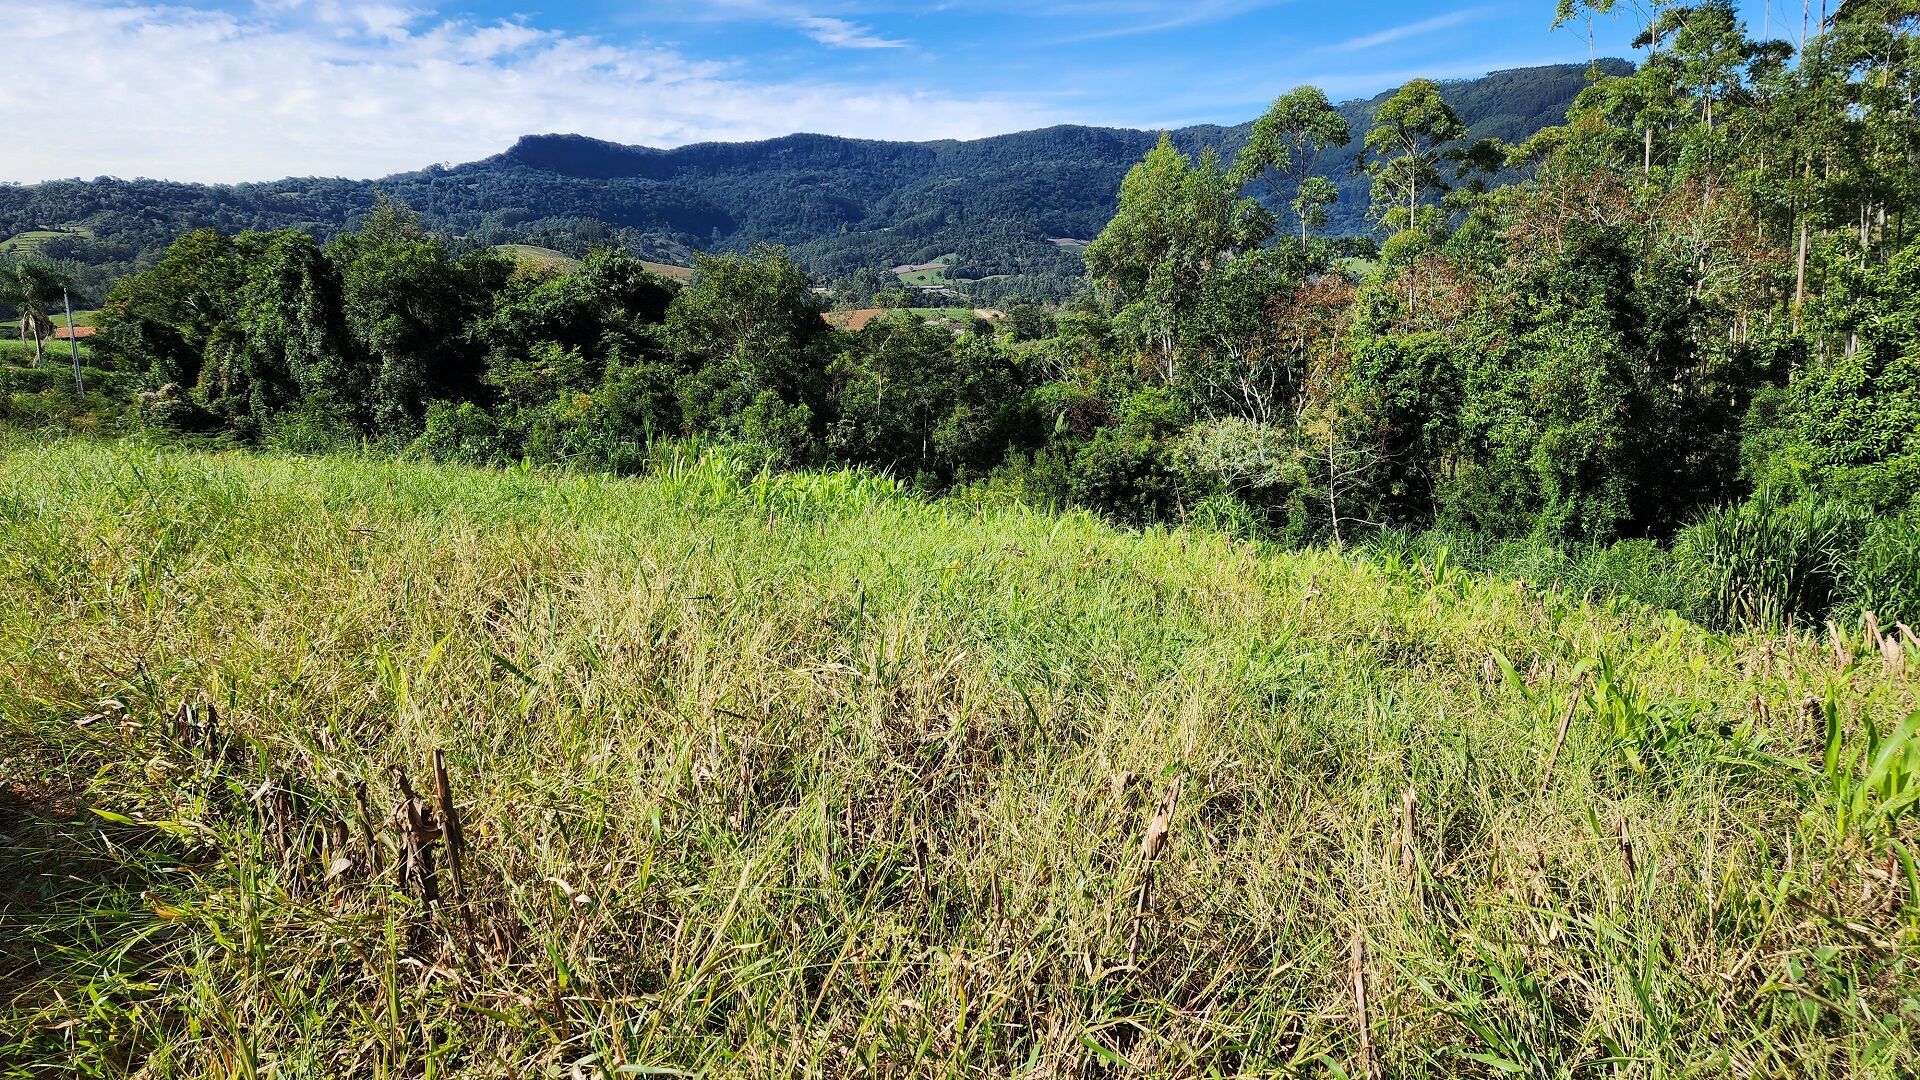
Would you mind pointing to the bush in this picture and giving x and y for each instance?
(1043, 480)
(1227, 514)
(464, 433)
(1886, 571)
(1126, 478)
(315, 426)
(1767, 563)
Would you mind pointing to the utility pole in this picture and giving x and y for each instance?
(73, 345)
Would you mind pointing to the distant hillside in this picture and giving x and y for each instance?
(1000, 205)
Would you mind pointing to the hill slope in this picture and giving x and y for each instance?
(839, 203)
(803, 776)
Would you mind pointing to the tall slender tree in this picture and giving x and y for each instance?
(1407, 145)
(1286, 144)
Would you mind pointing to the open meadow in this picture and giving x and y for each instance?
(802, 775)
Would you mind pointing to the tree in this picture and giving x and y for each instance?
(405, 302)
(1407, 144)
(1285, 144)
(1028, 322)
(167, 320)
(1177, 224)
(32, 289)
(910, 397)
(1856, 416)
(1346, 451)
(289, 314)
(749, 335)
(1315, 196)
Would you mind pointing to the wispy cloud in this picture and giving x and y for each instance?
(1156, 18)
(1413, 29)
(842, 34)
(338, 88)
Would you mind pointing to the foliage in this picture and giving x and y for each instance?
(1410, 138)
(1769, 564)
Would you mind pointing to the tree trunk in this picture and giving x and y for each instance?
(1800, 275)
(1333, 486)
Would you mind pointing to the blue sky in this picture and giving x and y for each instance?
(257, 89)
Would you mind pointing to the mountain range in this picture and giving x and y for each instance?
(1007, 207)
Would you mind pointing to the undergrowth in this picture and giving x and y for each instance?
(752, 774)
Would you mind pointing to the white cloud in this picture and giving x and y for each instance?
(1407, 30)
(843, 34)
(366, 89)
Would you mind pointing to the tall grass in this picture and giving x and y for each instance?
(1762, 564)
(1885, 571)
(1767, 564)
(805, 776)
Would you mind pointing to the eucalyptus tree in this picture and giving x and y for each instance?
(1286, 144)
(1179, 224)
(1410, 140)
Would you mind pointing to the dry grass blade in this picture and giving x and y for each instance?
(416, 837)
(456, 841)
(1357, 973)
(1152, 843)
(1559, 739)
(1160, 825)
(376, 866)
(1409, 855)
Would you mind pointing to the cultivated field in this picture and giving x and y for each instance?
(29, 243)
(803, 776)
(557, 260)
(927, 273)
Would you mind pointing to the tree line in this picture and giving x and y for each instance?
(1686, 321)
(836, 204)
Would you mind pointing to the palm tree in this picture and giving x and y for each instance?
(32, 289)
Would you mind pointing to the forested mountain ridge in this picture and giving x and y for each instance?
(839, 203)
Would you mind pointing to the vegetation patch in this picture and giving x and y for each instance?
(30, 242)
(725, 772)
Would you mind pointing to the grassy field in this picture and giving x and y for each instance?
(932, 275)
(561, 261)
(804, 776)
(29, 243)
(539, 256)
(957, 315)
(19, 353)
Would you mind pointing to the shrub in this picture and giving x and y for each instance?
(1041, 480)
(1769, 564)
(1886, 571)
(1126, 478)
(1224, 513)
(464, 433)
(314, 426)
